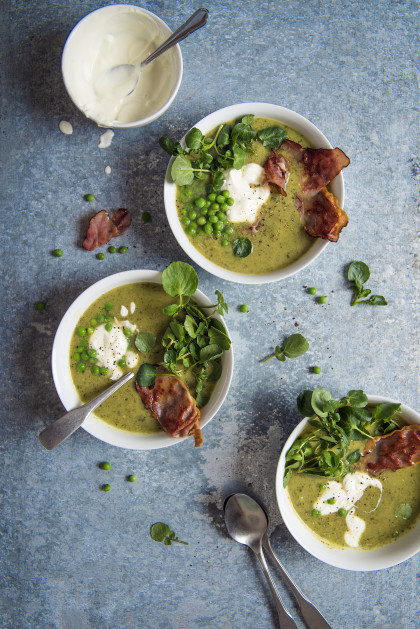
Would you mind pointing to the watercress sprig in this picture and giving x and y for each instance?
(358, 274)
(292, 347)
(161, 532)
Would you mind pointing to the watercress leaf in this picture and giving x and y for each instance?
(145, 342)
(193, 139)
(385, 411)
(304, 403)
(353, 457)
(179, 278)
(242, 134)
(190, 326)
(218, 180)
(146, 375)
(194, 351)
(315, 422)
(201, 400)
(186, 362)
(239, 156)
(168, 542)
(294, 346)
(216, 371)
(272, 137)
(210, 352)
(357, 398)
(287, 476)
(331, 406)
(171, 535)
(178, 330)
(159, 531)
(318, 401)
(247, 119)
(223, 137)
(403, 511)
(281, 357)
(169, 357)
(179, 149)
(242, 247)
(376, 300)
(171, 310)
(202, 340)
(218, 325)
(358, 272)
(168, 145)
(365, 293)
(221, 304)
(219, 338)
(182, 171)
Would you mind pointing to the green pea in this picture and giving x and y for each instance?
(192, 215)
(146, 216)
(223, 207)
(121, 363)
(182, 197)
(93, 322)
(79, 349)
(90, 330)
(208, 203)
(342, 512)
(108, 327)
(81, 367)
(244, 308)
(317, 369)
(230, 201)
(201, 220)
(104, 371)
(200, 231)
(108, 306)
(215, 206)
(212, 197)
(191, 230)
(101, 256)
(330, 501)
(132, 478)
(224, 243)
(228, 230)
(84, 356)
(92, 359)
(188, 191)
(76, 356)
(189, 206)
(123, 249)
(92, 352)
(95, 370)
(57, 253)
(40, 305)
(204, 211)
(89, 197)
(221, 216)
(127, 333)
(200, 202)
(208, 228)
(312, 290)
(219, 225)
(217, 233)
(81, 331)
(112, 249)
(84, 343)
(106, 487)
(109, 319)
(186, 221)
(322, 299)
(212, 219)
(101, 319)
(316, 513)
(220, 198)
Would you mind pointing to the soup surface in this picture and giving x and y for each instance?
(280, 238)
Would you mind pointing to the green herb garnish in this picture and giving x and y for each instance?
(358, 274)
(242, 247)
(327, 450)
(403, 511)
(272, 137)
(294, 346)
(161, 532)
(145, 342)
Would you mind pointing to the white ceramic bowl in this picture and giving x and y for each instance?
(348, 559)
(64, 383)
(85, 40)
(264, 110)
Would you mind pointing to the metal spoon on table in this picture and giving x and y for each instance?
(246, 523)
(249, 519)
(122, 80)
(58, 431)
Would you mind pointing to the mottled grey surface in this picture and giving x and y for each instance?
(75, 557)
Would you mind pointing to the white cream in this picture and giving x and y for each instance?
(108, 38)
(112, 346)
(123, 311)
(248, 189)
(106, 139)
(65, 127)
(132, 307)
(345, 496)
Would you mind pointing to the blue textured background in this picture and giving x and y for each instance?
(74, 557)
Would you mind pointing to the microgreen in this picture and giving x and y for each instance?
(358, 274)
(326, 448)
(242, 247)
(161, 532)
(272, 137)
(293, 346)
(403, 511)
(179, 279)
(146, 375)
(145, 342)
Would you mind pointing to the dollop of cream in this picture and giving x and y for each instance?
(112, 346)
(106, 139)
(345, 495)
(248, 189)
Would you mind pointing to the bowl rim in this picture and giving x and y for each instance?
(64, 383)
(176, 51)
(206, 124)
(348, 559)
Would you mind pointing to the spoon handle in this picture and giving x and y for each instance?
(58, 431)
(313, 618)
(285, 619)
(197, 20)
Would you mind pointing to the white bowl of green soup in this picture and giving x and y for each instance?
(221, 204)
(117, 325)
(344, 498)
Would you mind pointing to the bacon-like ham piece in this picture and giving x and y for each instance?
(322, 215)
(399, 449)
(102, 228)
(277, 171)
(173, 406)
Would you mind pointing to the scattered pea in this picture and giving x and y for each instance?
(123, 249)
(244, 308)
(220, 198)
(108, 305)
(322, 299)
(146, 216)
(127, 332)
(106, 487)
(84, 343)
(228, 230)
(92, 352)
(105, 465)
(230, 201)
(108, 327)
(317, 369)
(95, 370)
(90, 330)
(101, 319)
(312, 290)
(342, 512)
(112, 249)
(93, 322)
(186, 221)
(40, 305)
(121, 363)
(104, 371)
(208, 228)
(225, 243)
(109, 319)
(89, 197)
(76, 356)
(323, 486)
(101, 256)
(212, 197)
(81, 331)
(132, 478)
(57, 253)
(84, 356)
(330, 501)
(81, 367)
(200, 202)
(225, 193)
(316, 513)
(217, 233)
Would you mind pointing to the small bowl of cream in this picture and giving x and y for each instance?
(112, 36)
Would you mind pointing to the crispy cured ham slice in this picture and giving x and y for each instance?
(399, 449)
(277, 171)
(322, 216)
(173, 406)
(102, 228)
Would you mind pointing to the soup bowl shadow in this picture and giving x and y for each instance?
(60, 363)
(207, 124)
(349, 559)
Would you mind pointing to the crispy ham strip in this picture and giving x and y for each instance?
(319, 209)
(399, 449)
(102, 228)
(173, 406)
